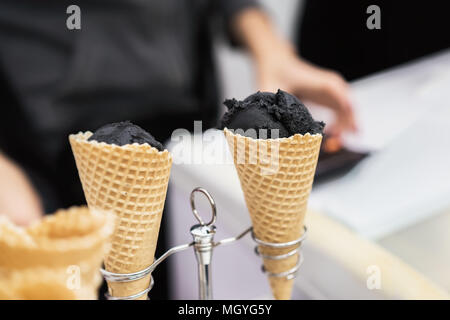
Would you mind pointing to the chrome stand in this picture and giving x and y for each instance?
(203, 244)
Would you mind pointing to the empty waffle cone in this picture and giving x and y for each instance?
(131, 181)
(57, 258)
(276, 177)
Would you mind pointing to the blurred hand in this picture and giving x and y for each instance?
(278, 67)
(283, 69)
(18, 200)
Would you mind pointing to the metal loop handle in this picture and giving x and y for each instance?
(211, 202)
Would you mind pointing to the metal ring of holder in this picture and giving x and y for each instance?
(125, 277)
(211, 202)
(279, 257)
(128, 277)
(283, 244)
(291, 273)
(134, 296)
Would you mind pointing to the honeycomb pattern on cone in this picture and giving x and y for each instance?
(131, 181)
(38, 262)
(276, 177)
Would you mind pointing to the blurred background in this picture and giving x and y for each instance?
(381, 197)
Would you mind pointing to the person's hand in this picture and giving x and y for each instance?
(283, 69)
(18, 200)
(278, 67)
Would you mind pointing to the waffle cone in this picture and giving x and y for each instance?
(276, 176)
(58, 258)
(131, 181)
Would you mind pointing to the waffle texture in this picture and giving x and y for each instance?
(131, 181)
(276, 176)
(57, 258)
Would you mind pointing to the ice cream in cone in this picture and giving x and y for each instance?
(129, 178)
(57, 258)
(276, 174)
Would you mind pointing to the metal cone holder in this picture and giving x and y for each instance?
(203, 244)
(297, 244)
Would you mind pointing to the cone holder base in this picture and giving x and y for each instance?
(203, 244)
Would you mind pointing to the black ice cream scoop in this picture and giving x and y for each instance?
(123, 133)
(266, 110)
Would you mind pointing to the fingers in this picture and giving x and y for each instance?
(332, 144)
(344, 111)
(335, 94)
(311, 83)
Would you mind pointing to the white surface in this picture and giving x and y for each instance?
(388, 103)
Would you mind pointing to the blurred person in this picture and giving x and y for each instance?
(150, 63)
(146, 61)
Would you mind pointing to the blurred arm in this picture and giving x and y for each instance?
(18, 200)
(278, 66)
